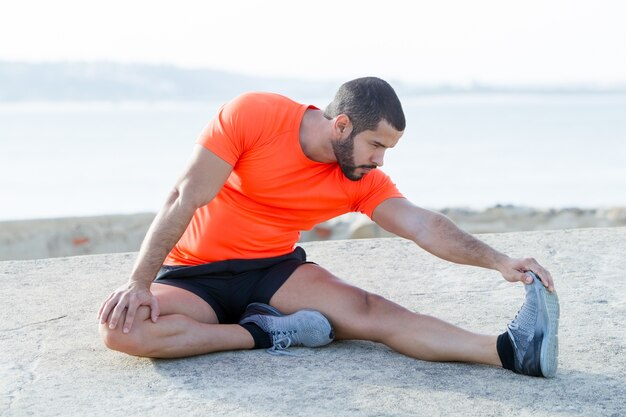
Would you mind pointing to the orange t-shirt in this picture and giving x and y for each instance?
(274, 191)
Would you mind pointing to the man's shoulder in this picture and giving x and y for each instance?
(263, 100)
(262, 109)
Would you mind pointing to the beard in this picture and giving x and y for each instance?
(344, 152)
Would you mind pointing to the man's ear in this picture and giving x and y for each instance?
(343, 126)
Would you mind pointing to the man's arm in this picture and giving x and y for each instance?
(202, 180)
(438, 235)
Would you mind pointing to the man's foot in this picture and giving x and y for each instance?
(307, 328)
(534, 330)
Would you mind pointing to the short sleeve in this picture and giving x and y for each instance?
(232, 129)
(371, 190)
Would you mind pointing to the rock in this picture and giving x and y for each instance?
(54, 363)
(33, 239)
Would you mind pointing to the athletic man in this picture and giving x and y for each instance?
(218, 269)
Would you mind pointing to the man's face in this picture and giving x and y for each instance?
(359, 154)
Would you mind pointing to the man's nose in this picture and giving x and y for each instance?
(378, 158)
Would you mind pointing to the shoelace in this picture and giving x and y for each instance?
(280, 344)
(519, 328)
(514, 325)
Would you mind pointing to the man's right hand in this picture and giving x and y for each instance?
(128, 297)
(203, 179)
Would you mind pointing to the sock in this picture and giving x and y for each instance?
(262, 340)
(506, 351)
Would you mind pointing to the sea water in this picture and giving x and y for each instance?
(475, 151)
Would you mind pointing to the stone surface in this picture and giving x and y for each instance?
(53, 363)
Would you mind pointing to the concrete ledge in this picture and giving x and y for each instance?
(53, 362)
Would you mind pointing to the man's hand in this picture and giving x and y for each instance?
(128, 297)
(514, 270)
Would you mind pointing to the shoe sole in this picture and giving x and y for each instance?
(549, 354)
(263, 309)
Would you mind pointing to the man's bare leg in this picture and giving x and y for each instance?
(187, 326)
(357, 314)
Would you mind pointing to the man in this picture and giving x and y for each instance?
(222, 246)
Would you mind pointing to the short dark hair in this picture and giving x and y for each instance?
(367, 101)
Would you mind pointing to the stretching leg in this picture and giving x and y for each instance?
(358, 314)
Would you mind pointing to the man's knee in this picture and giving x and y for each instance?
(133, 342)
(370, 311)
(364, 310)
(376, 306)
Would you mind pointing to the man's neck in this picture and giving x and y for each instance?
(315, 134)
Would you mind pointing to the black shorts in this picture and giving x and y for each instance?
(229, 286)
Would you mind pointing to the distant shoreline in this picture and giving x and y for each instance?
(48, 238)
(106, 80)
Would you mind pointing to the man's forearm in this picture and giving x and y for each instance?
(166, 229)
(444, 239)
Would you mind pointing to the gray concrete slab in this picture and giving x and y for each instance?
(53, 363)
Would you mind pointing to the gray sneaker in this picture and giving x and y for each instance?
(534, 332)
(308, 328)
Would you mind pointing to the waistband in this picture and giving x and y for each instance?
(233, 266)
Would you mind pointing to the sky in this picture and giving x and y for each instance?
(418, 42)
